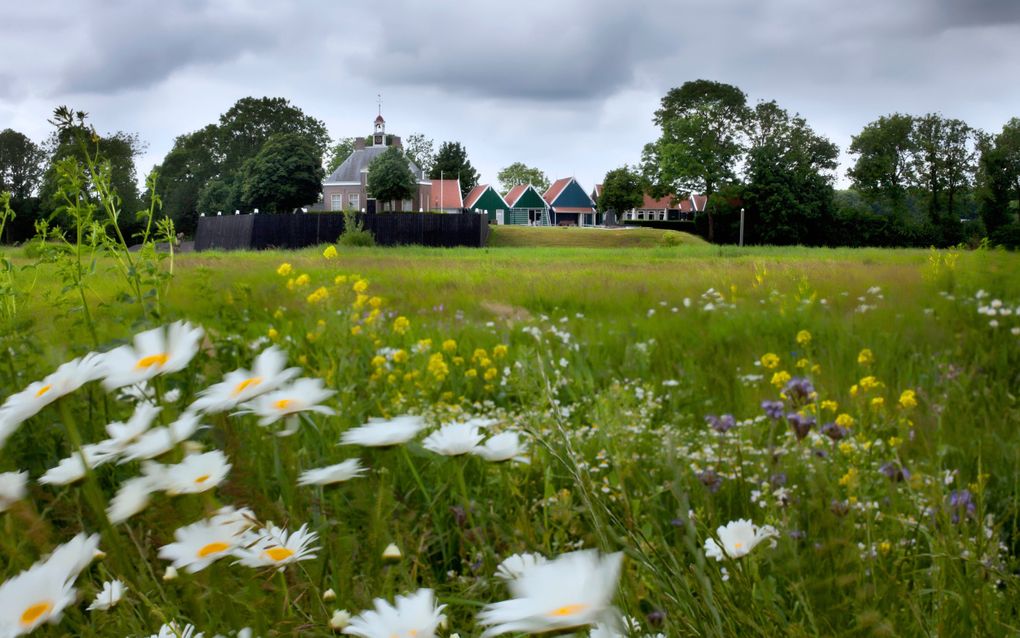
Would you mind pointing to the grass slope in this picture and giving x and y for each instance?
(555, 237)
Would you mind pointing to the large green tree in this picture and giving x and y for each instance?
(21, 164)
(339, 152)
(421, 151)
(884, 167)
(622, 189)
(789, 194)
(702, 139)
(1008, 144)
(451, 163)
(520, 173)
(250, 122)
(117, 149)
(943, 164)
(185, 171)
(993, 184)
(390, 178)
(285, 174)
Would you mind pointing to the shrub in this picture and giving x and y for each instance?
(354, 231)
(1007, 236)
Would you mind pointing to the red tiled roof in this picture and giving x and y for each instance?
(657, 204)
(379, 119)
(573, 209)
(473, 196)
(598, 191)
(555, 190)
(446, 194)
(515, 194)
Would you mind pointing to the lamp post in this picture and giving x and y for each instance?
(741, 226)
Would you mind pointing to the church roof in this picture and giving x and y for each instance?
(358, 161)
(379, 119)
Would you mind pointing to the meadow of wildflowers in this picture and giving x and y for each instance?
(416, 443)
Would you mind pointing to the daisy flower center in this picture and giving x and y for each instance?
(277, 554)
(247, 383)
(158, 360)
(283, 404)
(737, 545)
(35, 612)
(212, 548)
(568, 610)
(202, 479)
(43, 390)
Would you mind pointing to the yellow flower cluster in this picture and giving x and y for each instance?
(829, 405)
(320, 295)
(330, 252)
(865, 357)
(401, 325)
(449, 345)
(770, 361)
(908, 399)
(284, 270)
(360, 286)
(844, 420)
(803, 337)
(437, 366)
(780, 378)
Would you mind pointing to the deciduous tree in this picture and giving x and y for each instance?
(390, 178)
(884, 166)
(285, 174)
(702, 125)
(451, 163)
(421, 151)
(520, 173)
(622, 189)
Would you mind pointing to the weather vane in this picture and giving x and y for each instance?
(379, 97)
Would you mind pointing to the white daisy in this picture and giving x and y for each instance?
(73, 468)
(131, 498)
(12, 488)
(196, 473)
(159, 441)
(112, 593)
(503, 447)
(66, 379)
(303, 395)
(572, 590)
(343, 471)
(514, 566)
(738, 538)
(384, 432)
(274, 547)
(173, 630)
(268, 373)
(123, 434)
(413, 616)
(41, 593)
(200, 544)
(159, 351)
(454, 439)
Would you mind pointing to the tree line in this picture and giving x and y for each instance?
(916, 180)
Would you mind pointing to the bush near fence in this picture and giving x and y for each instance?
(258, 232)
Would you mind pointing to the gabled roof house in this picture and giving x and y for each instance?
(569, 204)
(527, 206)
(446, 196)
(484, 198)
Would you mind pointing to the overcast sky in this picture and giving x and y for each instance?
(568, 86)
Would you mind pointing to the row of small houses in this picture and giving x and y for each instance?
(564, 203)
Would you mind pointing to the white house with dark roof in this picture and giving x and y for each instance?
(346, 187)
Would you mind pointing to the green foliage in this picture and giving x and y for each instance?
(520, 173)
(421, 151)
(185, 173)
(788, 195)
(339, 152)
(285, 174)
(21, 164)
(355, 233)
(220, 194)
(452, 163)
(622, 189)
(884, 168)
(390, 178)
(1007, 236)
(701, 141)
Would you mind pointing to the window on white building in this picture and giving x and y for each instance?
(408, 205)
(336, 201)
(354, 201)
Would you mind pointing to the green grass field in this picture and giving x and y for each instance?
(571, 237)
(891, 473)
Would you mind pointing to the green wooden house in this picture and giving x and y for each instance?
(570, 205)
(484, 198)
(527, 206)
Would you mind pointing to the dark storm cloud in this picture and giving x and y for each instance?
(952, 13)
(133, 45)
(545, 51)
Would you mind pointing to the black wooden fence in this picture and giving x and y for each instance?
(255, 232)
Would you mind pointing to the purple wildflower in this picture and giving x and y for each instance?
(961, 502)
(834, 432)
(895, 472)
(801, 424)
(773, 409)
(798, 391)
(722, 423)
